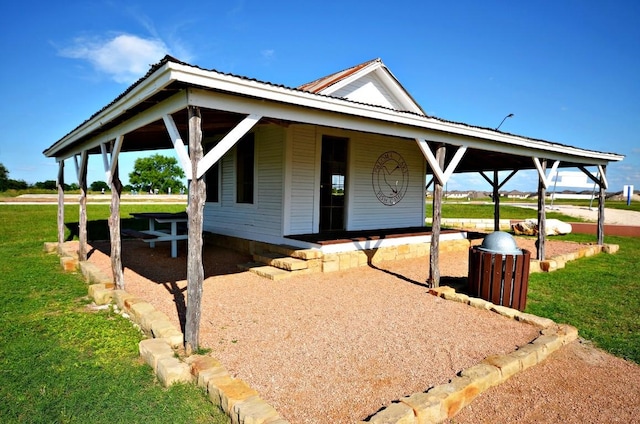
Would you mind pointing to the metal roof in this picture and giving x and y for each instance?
(171, 85)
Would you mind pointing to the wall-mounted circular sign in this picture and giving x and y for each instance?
(390, 178)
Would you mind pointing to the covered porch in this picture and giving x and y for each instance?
(176, 101)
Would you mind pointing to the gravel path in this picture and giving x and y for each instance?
(334, 348)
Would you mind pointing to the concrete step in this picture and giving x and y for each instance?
(267, 271)
(283, 262)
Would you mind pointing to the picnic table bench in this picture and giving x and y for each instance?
(174, 233)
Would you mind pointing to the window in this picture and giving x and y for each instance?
(245, 157)
(213, 183)
(212, 177)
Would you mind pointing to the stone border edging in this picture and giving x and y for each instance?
(240, 402)
(444, 401)
(243, 404)
(559, 261)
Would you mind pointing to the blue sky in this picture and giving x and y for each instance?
(569, 70)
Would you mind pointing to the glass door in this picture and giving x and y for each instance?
(333, 170)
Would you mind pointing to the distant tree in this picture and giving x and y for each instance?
(46, 185)
(4, 178)
(17, 185)
(71, 187)
(98, 186)
(7, 183)
(156, 172)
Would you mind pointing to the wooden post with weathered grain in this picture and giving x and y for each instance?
(114, 229)
(496, 202)
(542, 215)
(195, 209)
(434, 260)
(82, 224)
(60, 184)
(601, 199)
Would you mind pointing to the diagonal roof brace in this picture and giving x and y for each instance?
(600, 178)
(109, 165)
(178, 144)
(546, 179)
(226, 143)
(441, 175)
(81, 162)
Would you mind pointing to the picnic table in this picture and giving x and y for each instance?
(153, 234)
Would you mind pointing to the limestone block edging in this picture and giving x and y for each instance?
(444, 401)
(161, 350)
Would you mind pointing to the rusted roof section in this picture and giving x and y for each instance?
(324, 82)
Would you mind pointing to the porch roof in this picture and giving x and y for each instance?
(171, 86)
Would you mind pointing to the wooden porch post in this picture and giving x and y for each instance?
(434, 261)
(82, 224)
(496, 202)
(60, 202)
(542, 215)
(601, 199)
(114, 229)
(195, 208)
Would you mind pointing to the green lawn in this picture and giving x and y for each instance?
(599, 295)
(60, 363)
(485, 211)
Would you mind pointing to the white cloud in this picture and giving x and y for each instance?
(125, 58)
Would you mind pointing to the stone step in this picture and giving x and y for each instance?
(294, 252)
(267, 271)
(283, 262)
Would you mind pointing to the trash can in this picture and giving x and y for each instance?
(499, 271)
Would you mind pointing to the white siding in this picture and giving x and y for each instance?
(370, 90)
(264, 216)
(303, 173)
(365, 211)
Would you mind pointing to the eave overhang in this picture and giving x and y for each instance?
(173, 86)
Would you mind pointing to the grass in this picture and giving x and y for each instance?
(61, 363)
(599, 295)
(485, 211)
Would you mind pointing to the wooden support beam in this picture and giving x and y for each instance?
(542, 174)
(496, 202)
(434, 259)
(542, 215)
(60, 186)
(178, 144)
(114, 219)
(600, 178)
(195, 211)
(601, 199)
(496, 186)
(226, 143)
(82, 224)
(111, 161)
(438, 169)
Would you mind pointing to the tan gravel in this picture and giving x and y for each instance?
(335, 348)
(577, 384)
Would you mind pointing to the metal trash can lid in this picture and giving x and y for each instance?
(500, 242)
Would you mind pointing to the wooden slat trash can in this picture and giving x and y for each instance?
(502, 279)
